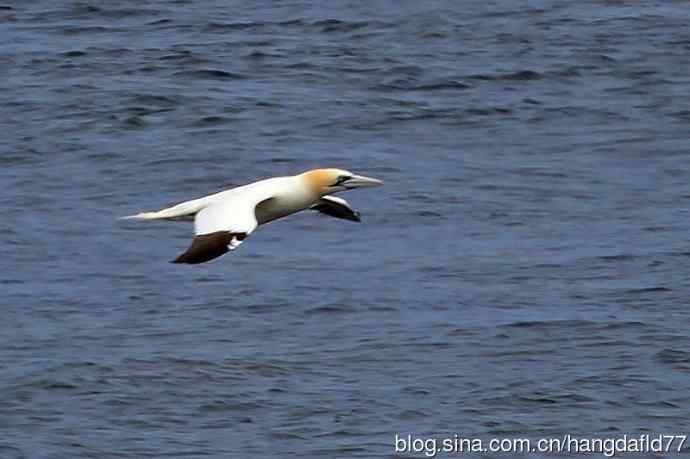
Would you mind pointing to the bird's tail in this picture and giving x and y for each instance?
(183, 211)
(143, 216)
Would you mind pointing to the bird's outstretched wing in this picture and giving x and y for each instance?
(336, 207)
(220, 227)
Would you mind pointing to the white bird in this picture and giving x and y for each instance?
(222, 221)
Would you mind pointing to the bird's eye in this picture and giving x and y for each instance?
(342, 179)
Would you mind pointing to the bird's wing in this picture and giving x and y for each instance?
(336, 207)
(222, 226)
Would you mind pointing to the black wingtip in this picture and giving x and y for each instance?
(336, 209)
(206, 247)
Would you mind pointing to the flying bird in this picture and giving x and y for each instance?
(222, 221)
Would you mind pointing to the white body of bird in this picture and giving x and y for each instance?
(223, 220)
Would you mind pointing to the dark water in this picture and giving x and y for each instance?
(523, 272)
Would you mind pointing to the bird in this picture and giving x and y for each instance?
(224, 220)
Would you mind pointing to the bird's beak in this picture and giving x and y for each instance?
(360, 181)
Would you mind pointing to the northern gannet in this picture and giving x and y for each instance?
(222, 221)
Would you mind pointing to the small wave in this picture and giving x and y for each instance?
(649, 290)
(221, 405)
(11, 452)
(277, 160)
(624, 325)
(412, 414)
(443, 84)
(545, 324)
(178, 55)
(485, 111)
(256, 54)
(213, 120)
(683, 115)
(160, 22)
(79, 30)
(222, 27)
(432, 35)
(520, 75)
(135, 121)
(617, 258)
(209, 74)
(85, 11)
(427, 214)
(336, 25)
(672, 356)
(287, 436)
(331, 309)
(74, 53)
(402, 84)
(523, 75)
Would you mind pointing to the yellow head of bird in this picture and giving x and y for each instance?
(327, 181)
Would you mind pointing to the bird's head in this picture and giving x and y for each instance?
(328, 181)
